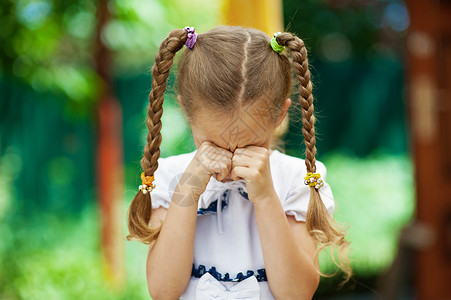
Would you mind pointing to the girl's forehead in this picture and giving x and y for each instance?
(241, 118)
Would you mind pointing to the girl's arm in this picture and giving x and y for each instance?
(170, 256)
(288, 251)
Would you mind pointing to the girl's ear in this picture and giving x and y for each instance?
(284, 111)
(180, 99)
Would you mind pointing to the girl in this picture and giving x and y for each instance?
(233, 219)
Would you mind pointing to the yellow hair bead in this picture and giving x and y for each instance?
(313, 180)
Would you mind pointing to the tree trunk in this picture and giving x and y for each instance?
(109, 158)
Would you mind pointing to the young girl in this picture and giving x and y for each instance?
(233, 219)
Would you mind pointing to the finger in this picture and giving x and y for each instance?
(220, 151)
(221, 170)
(254, 161)
(239, 172)
(209, 146)
(216, 154)
(225, 155)
(251, 150)
(241, 160)
(206, 144)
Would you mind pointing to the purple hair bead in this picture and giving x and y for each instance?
(192, 37)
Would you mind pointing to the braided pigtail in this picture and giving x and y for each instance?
(320, 225)
(141, 206)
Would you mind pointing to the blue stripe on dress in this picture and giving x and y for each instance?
(201, 270)
(243, 193)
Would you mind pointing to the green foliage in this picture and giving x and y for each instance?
(49, 44)
(337, 31)
(138, 27)
(374, 200)
(58, 257)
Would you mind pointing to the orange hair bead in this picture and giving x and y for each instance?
(147, 185)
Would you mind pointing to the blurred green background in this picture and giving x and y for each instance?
(49, 216)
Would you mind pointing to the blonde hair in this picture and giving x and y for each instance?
(229, 68)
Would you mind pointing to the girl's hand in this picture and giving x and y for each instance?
(211, 160)
(252, 164)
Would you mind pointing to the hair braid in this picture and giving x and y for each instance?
(320, 225)
(141, 206)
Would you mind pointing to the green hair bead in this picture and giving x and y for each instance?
(275, 46)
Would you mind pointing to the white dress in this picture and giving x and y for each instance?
(228, 258)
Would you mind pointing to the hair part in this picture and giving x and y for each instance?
(231, 68)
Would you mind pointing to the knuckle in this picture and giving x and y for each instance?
(205, 144)
(220, 166)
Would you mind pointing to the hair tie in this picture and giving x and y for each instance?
(313, 180)
(192, 37)
(147, 185)
(275, 45)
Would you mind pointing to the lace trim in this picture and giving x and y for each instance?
(198, 272)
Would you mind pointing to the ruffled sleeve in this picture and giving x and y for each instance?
(163, 176)
(298, 197)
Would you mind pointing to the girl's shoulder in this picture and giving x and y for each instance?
(177, 161)
(291, 164)
(171, 167)
(288, 176)
(169, 171)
